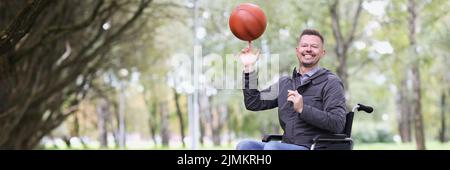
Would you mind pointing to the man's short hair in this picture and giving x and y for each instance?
(311, 32)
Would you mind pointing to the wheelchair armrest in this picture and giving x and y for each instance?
(270, 137)
(337, 141)
(331, 138)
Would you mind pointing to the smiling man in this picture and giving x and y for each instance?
(310, 103)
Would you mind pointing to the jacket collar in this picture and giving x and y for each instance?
(316, 78)
(313, 73)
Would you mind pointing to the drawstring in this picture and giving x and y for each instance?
(289, 103)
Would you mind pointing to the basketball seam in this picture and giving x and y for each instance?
(259, 22)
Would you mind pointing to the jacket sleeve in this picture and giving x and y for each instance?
(256, 100)
(333, 116)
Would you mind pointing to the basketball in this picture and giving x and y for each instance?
(247, 22)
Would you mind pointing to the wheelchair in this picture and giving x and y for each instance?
(341, 141)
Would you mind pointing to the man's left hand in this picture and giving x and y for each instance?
(296, 99)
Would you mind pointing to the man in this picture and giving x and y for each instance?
(310, 103)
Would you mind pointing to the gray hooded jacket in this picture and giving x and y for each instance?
(324, 108)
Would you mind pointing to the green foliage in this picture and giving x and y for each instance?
(378, 135)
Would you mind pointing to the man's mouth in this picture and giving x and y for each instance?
(308, 56)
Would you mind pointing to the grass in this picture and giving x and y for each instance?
(431, 145)
(145, 145)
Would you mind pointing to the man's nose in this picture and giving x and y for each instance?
(308, 49)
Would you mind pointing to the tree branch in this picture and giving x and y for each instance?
(354, 25)
(21, 25)
(337, 33)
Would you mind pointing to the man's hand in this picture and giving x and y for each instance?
(249, 57)
(297, 99)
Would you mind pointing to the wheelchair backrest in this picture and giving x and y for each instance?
(348, 124)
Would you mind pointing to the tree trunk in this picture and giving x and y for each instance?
(416, 96)
(404, 116)
(102, 110)
(165, 136)
(152, 123)
(417, 109)
(443, 131)
(205, 116)
(76, 130)
(343, 43)
(180, 116)
(122, 122)
(116, 127)
(219, 117)
(152, 108)
(202, 130)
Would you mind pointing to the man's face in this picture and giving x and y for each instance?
(310, 50)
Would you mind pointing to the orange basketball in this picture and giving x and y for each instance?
(247, 21)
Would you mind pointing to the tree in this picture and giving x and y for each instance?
(416, 95)
(435, 57)
(179, 114)
(49, 54)
(343, 42)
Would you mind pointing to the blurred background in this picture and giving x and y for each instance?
(104, 74)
